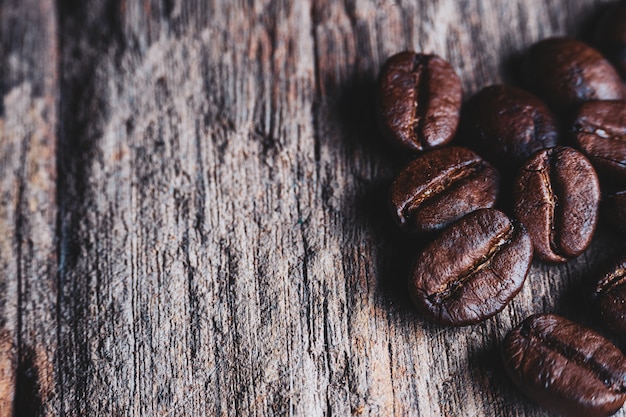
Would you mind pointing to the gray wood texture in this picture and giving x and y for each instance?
(193, 217)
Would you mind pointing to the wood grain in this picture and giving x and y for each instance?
(193, 217)
(28, 209)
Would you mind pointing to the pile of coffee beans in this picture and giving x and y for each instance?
(543, 155)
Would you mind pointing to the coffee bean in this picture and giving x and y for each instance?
(506, 125)
(615, 209)
(566, 72)
(565, 367)
(611, 35)
(419, 99)
(556, 196)
(610, 296)
(600, 132)
(440, 187)
(472, 270)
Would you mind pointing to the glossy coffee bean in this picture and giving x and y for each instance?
(600, 132)
(556, 196)
(615, 209)
(419, 100)
(566, 72)
(506, 125)
(611, 35)
(565, 367)
(610, 296)
(440, 187)
(472, 270)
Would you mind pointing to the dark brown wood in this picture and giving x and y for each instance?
(193, 215)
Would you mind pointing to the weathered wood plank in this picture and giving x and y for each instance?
(28, 89)
(28, 210)
(184, 292)
(223, 241)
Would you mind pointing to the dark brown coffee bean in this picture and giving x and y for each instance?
(611, 35)
(506, 125)
(556, 196)
(610, 296)
(566, 72)
(440, 187)
(565, 367)
(472, 270)
(615, 209)
(600, 132)
(419, 99)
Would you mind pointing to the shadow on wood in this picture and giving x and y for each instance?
(28, 396)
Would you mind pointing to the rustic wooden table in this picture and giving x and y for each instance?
(192, 212)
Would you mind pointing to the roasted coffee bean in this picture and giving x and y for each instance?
(440, 187)
(506, 125)
(419, 100)
(610, 296)
(472, 270)
(615, 209)
(600, 132)
(566, 72)
(556, 196)
(611, 35)
(565, 367)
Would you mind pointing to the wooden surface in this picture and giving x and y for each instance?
(193, 217)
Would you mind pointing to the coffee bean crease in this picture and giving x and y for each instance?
(422, 92)
(447, 180)
(556, 197)
(589, 362)
(612, 281)
(551, 181)
(441, 186)
(454, 284)
(472, 270)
